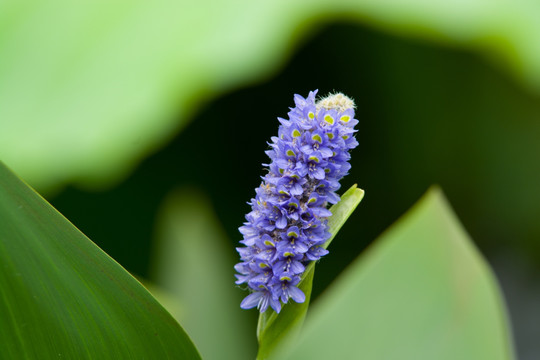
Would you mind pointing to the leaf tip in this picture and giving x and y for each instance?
(436, 195)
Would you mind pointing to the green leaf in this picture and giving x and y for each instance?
(193, 260)
(87, 89)
(274, 330)
(423, 291)
(62, 297)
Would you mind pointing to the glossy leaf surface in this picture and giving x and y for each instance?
(63, 297)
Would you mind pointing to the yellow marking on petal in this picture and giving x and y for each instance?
(345, 137)
(293, 204)
(329, 119)
(311, 200)
(296, 133)
(314, 158)
(281, 171)
(290, 153)
(269, 243)
(292, 234)
(317, 138)
(330, 136)
(294, 176)
(287, 254)
(263, 265)
(285, 278)
(311, 115)
(345, 118)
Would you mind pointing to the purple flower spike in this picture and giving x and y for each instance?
(288, 222)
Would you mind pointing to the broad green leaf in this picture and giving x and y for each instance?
(87, 89)
(62, 297)
(423, 291)
(273, 329)
(167, 299)
(193, 260)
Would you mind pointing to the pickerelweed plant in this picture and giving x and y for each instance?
(287, 225)
(62, 296)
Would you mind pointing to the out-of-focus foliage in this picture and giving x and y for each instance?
(193, 261)
(422, 292)
(62, 297)
(88, 89)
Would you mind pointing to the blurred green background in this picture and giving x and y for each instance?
(112, 110)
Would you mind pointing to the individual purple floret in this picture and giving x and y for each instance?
(288, 222)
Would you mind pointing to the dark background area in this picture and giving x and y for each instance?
(428, 115)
